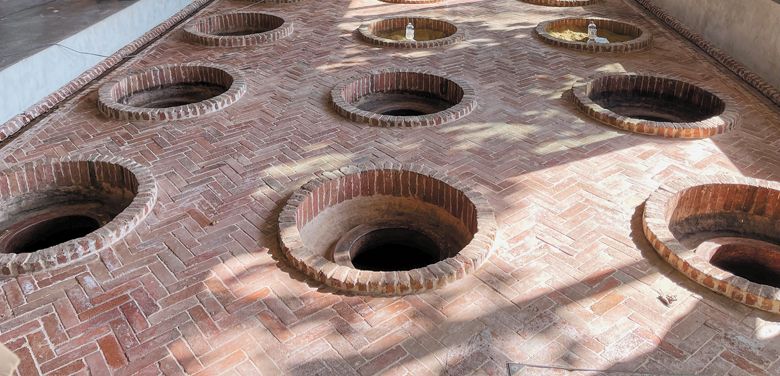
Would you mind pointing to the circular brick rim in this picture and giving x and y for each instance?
(393, 283)
(349, 91)
(366, 32)
(642, 39)
(561, 3)
(723, 122)
(657, 221)
(202, 30)
(58, 173)
(111, 92)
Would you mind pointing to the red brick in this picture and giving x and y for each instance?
(606, 303)
(384, 360)
(112, 352)
(560, 184)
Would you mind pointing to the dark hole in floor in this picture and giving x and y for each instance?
(395, 249)
(672, 110)
(51, 232)
(403, 103)
(756, 264)
(240, 32)
(653, 118)
(403, 112)
(173, 95)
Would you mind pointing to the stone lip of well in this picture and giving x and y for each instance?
(267, 28)
(458, 93)
(642, 38)
(413, 183)
(716, 115)
(709, 206)
(80, 177)
(112, 93)
(561, 3)
(367, 32)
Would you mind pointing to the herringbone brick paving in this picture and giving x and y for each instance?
(199, 288)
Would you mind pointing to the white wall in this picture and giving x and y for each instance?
(748, 30)
(30, 80)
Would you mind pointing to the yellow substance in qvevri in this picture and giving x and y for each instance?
(419, 34)
(580, 34)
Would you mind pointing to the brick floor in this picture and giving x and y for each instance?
(199, 287)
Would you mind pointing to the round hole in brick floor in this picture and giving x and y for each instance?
(403, 103)
(713, 229)
(238, 29)
(170, 92)
(755, 260)
(364, 229)
(647, 104)
(403, 98)
(428, 32)
(49, 232)
(75, 208)
(573, 33)
(388, 247)
(657, 100)
(386, 231)
(165, 96)
(403, 112)
(65, 210)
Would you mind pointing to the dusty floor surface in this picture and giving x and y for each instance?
(199, 288)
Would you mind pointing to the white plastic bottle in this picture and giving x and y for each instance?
(410, 31)
(592, 32)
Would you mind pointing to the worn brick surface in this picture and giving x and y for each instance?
(198, 287)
